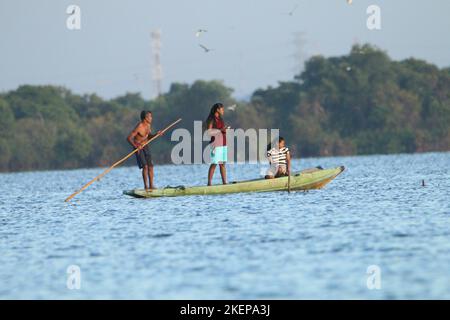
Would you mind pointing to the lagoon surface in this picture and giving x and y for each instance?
(314, 245)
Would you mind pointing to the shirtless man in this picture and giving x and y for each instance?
(137, 138)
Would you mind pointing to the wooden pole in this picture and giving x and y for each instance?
(119, 162)
(289, 183)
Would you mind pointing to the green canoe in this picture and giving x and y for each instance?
(305, 180)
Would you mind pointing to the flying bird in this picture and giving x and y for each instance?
(291, 13)
(232, 107)
(199, 32)
(205, 48)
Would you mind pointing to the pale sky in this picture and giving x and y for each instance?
(253, 40)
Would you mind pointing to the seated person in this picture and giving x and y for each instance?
(279, 159)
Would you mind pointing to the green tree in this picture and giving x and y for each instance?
(5, 154)
(6, 118)
(359, 103)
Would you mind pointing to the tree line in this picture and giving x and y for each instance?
(360, 103)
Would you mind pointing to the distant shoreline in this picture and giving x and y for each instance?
(362, 103)
(236, 163)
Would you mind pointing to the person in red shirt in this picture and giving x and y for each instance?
(218, 132)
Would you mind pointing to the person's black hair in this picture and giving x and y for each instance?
(213, 111)
(269, 146)
(144, 113)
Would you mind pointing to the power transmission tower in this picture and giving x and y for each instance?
(300, 53)
(156, 66)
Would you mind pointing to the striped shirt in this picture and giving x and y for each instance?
(278, 156)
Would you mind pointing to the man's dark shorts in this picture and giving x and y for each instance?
(144, 157)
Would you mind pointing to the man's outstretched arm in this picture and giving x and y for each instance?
(151, 136)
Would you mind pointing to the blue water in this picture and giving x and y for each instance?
(244, 246)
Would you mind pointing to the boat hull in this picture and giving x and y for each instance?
(305, 180)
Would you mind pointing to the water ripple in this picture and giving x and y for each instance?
(315, 244)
